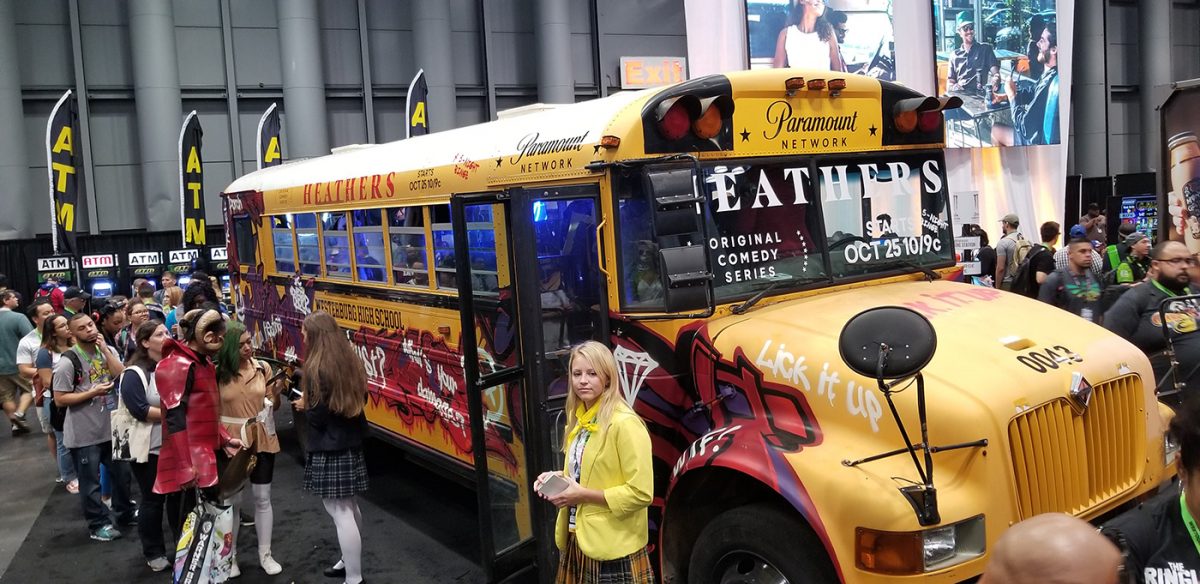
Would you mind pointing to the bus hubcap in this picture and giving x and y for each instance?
(742, 567)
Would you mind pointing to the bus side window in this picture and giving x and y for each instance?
(406, 230)
(281, 240)
(443, 248)
(642, 285)
(307, 245)
(247, 244)
(337, 244)
(369, 250)
(481, 233)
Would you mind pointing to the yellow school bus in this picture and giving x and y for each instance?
(718, 234)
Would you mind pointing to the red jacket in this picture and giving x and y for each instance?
(192, 431)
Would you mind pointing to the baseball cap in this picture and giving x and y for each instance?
(1011, 219)
(1135, 237)
(1077, 231)
(964, 18)
(75, 292)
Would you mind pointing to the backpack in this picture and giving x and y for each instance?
(1019, 254)
(1024, 278)
(59, 415)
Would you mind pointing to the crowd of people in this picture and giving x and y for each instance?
(184, 375)
(1121, 286)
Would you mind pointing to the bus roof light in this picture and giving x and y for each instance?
(816, 84)
(836, 86)
(610, 141)
(711, 121)
(906, 112)
(793, 84)
(929, 121)
(675, 116)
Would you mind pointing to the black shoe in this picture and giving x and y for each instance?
(333, 572)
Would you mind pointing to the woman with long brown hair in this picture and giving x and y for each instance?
(56, 338)
(334, 393)
(139, 393)
(808, 41)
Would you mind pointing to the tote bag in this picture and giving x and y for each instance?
(130, 436)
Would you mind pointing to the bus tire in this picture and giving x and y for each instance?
(759, 543)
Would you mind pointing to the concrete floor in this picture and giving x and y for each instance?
(418, 527)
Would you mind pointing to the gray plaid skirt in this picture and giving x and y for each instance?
(334, 475)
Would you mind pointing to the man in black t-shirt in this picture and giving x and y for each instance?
(1135, 314)
(1041, 258)
(1075, 289)
(1160, 539)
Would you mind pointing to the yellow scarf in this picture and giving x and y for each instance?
(584, 420)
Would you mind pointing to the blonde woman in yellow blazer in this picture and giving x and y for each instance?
(602, 525)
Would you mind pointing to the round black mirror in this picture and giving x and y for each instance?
(908, 336)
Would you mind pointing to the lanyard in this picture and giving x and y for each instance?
(97, 360)
(1164, 289)
(1189, 522)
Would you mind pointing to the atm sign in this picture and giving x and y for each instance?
(53, 264)
(218, 254)
(99, 261)
(182, 256)
(145, 258)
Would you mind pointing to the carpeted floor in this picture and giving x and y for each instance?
(418, 528)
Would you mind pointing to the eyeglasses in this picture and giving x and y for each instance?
(967, 28)
(1179, 261)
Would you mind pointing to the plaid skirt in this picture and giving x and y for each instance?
(334, 475)
(576, 568)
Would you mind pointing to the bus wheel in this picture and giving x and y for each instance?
(759, 543)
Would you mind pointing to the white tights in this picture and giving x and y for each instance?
(264, 515)
(347, 518)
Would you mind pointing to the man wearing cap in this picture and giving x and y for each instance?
(1137, 263)
(972, 64)
(1061, 262)
(1009, 251)
(74, 301)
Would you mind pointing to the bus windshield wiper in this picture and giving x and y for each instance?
(930, 275)
(750, 302)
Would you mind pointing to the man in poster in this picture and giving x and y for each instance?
(1035, 109)
(973, 64)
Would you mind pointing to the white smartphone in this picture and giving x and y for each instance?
(553, 486)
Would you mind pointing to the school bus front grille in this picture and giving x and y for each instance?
(1070, 463)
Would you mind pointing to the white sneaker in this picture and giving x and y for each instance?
(234, 572)
(269, 565)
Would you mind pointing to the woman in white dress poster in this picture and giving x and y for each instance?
(808, 41)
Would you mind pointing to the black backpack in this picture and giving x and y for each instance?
(1024, 279)
(59, 415)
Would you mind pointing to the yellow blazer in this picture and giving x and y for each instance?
(617, 460)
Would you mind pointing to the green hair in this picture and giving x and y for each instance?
(229, 357)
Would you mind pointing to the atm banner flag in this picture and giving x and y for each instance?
(191, 181)
(416, 114)
(61, 166)
(270, 152)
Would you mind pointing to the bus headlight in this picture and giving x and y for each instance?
(1170, 449)
(919, 552)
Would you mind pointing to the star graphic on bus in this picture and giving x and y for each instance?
(873, 129)
(498, 161)
(745, 135)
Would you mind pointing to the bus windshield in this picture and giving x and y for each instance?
(792, 222)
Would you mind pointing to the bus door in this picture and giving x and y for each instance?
(528, 262)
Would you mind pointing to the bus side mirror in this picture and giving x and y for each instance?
(887, 342)
(685, 277)
(674, 195)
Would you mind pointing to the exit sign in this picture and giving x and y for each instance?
(643, 72)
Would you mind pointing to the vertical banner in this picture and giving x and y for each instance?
(415, 110)
(61, 167)
(191, 181)
(269, 151)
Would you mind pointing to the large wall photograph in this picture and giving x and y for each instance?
(1181, 153)
(1001, 58)
(851, 36)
